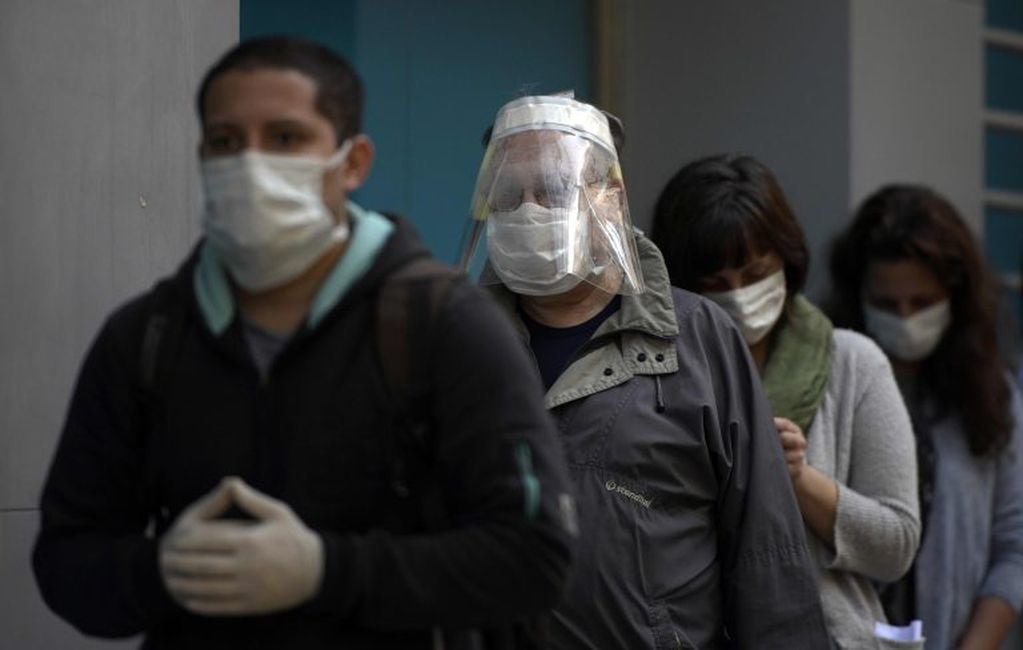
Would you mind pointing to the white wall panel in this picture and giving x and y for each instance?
(917, 98)
(99, 184)
(100, 197)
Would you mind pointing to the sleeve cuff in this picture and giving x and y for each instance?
(860, 526)
(1005, 581)
(342, 576)
(849, 513)
(149, 595)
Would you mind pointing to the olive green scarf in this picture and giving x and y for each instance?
(799, 362)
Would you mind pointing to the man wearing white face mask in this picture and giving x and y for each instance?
(311, 436)
(690, 536)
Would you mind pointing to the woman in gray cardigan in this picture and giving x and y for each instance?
(727, 231)
(907, 271)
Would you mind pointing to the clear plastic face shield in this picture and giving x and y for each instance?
(549, 207)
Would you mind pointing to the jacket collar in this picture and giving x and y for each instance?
(645, 325)
(651, 312)
(215, 298)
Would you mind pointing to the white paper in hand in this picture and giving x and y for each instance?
(909, 633)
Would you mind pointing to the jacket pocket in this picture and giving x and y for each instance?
(667, 635)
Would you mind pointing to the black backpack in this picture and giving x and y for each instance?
(407, 310)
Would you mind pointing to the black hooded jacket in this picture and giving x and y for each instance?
(309, 434)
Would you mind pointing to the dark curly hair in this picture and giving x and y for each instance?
(965, 374)
(718, 211)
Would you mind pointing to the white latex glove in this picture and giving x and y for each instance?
(240, 568)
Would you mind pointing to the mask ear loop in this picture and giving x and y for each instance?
(339, 157)
(336, 160)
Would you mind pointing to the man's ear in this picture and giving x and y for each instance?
(358, 164)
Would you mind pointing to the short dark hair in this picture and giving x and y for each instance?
(717, 211)
(338, 87)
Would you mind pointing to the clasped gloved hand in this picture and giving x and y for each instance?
(223, 567)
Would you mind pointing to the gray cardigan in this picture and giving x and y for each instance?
(973, 545)
(862, 437)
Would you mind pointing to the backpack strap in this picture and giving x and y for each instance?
(161, 342)
(162, 324)
(408, 306)
(407, 314)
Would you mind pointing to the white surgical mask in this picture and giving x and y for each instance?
(908, 339)
(265, 215)
(754, 308)
(535, 250)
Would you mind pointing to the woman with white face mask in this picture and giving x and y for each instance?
(727, 232)
(908, 273)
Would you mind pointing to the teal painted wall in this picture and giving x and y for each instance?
(1005, 14)
(435, 75)
(1003, 73)
(1003, 166)
(1003, 151)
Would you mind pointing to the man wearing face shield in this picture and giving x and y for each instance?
(690, 535)
(237, 468)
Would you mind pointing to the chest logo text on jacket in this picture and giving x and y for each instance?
(612, 486)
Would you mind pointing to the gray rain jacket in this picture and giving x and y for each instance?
(689, 532)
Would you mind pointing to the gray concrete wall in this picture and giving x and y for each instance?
(764, 78)
(916, 73)
(836, 97)
(100, 197)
